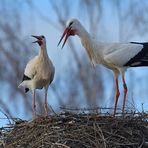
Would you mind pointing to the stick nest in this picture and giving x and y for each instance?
(71, 130)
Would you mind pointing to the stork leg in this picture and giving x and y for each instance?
(45, 103)
(125, 92)
(117, 93)
(34, 104)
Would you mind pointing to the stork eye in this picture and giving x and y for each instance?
(70, 24)
(43, 37)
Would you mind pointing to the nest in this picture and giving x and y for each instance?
(72, 130)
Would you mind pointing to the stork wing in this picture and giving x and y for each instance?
(30, 70)
(120, 54)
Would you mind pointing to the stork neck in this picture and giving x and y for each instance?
(86, 39)
(82, 33)
(43, 52)
(87, 43)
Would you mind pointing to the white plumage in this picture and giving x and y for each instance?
(39, 73)
(115, 56)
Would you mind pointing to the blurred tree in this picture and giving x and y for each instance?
(80, 84)
(84, 84)
(14, 54)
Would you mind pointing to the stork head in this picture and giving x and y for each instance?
(40, 40)
(73, 27)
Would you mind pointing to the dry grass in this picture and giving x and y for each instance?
(71, 130)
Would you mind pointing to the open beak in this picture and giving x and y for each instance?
(67, 32)
(37, 37)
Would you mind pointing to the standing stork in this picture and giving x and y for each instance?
(115, 56)
(39, 73)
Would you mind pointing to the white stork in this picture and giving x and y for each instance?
(39, 73)
(115, 56)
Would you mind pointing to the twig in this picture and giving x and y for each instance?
(60, 144)
(53, 110)
(7, 117)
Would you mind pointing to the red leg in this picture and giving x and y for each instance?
(117, 95)
(34, 104)
(45, 104)
(125, 93)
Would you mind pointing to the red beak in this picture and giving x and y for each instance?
(37, 37)
(67, 32)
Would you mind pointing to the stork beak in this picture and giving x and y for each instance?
(66, 34)
(37, 37)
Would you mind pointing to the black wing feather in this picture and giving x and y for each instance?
(141, 59)
(26, 78)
